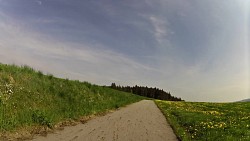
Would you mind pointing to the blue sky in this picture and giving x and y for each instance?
(197, 50)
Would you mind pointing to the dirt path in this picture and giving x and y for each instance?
(140, 121)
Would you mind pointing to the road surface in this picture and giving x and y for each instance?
(141, 121)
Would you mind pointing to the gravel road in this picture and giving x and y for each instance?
(141, 121)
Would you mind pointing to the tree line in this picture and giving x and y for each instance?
(155, 93)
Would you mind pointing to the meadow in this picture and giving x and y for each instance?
(208, 121)
(30, 99)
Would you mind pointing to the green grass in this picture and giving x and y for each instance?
(208, 121)
(28, 98)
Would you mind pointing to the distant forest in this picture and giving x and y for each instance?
(155, 93)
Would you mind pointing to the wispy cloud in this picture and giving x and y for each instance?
(152, 43)
(160, 28)
(39, 2)
(67, 59)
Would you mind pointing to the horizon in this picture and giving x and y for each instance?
(197, 50)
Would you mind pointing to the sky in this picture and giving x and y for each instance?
(197, 50)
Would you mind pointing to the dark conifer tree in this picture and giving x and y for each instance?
(155, 93)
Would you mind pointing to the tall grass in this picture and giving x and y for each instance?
(30, 98)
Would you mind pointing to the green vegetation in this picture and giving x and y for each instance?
(154, 93)
(208, 121)
(30, 99)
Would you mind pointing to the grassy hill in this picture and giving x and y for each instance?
(30, 99)
(208, 121)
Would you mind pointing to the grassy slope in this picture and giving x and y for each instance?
(208, 121)
(29, 98)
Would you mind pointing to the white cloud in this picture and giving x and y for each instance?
(39, 2)
(20, 45)
(76, 61)
(160, 28)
